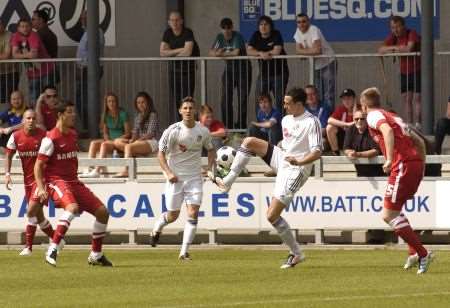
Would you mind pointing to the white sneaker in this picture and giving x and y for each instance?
(293, 260)
(26, 252)
(222, 186)
(424, 263)
(60, 246)
(411, 261)
(50, 256)
(91, 174)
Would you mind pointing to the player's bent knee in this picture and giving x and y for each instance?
(102, 214)
(172, 216)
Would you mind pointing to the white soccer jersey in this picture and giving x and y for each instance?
(301, 134)
(183, 147)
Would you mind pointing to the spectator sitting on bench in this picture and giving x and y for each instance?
(114, 124)
(145, 134)
(340, 120)
(11, 119)
(359, 144)
(268, 124)
(216, 128)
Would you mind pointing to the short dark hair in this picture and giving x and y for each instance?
(26, 20)
(49, 87)
(311, 86)
(297, 94)
(303, 15)
(62, 106)
(397, 19)
(267, 19)
(42, 13)
(188, 99)
(226, 23)
(265, 96)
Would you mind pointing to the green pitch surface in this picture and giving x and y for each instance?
(223, 278)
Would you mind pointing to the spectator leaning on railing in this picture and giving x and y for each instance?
(268, 121)
(27, 45)
(114, 125)
(46, 113)
(82, 70)
(237, 73)
(265, 43)
(316, 107)
(311, 42)
(442, 129)
(359, 144)
(39, 21)
(340, 120)
(179, 41)
(11, 119)
(145, 134)
(403, 39)
(9, 74)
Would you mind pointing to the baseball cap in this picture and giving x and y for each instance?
(348, 92)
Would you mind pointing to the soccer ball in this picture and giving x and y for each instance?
(225, 157)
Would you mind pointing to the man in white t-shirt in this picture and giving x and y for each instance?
(180, 149)
(300, 147)
(310, 42)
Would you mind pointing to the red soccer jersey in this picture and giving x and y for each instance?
(50, 116)
(404, 149)
(27, 146)
(60, 152)
(410, 64)
(215, 126)
(341, 113)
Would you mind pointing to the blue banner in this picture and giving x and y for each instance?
(339, 20)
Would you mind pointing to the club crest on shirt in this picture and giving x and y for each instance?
(182, 147)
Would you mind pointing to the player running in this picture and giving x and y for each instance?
(301, 145)
(179, 155)
(57, 160)
(26, 142)
(404, 152)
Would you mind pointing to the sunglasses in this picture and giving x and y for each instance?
(359, 119)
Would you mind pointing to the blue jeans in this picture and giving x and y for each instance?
(325, 81)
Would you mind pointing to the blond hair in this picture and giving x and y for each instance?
(372, 97)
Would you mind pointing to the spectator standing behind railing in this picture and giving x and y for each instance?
(311, 42)
(11, 119)
(403, 39)
(179, 41)
(145, 134)
(442, 129)
(316, 107)
(46, 114)
(237, 73)
(39, 21)
(359, 144)
(114, 125)
(82, 70)
(273, 77)
(9, 74)
(27, 45)
(268, 121)
(340, 120)
(216, 128)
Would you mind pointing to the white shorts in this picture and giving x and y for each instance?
(188, 190)
(289, 178)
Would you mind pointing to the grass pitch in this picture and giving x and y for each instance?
(223, 278)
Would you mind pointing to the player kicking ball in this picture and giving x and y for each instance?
(26, 142)
(180, 149)
(404, 152)
(57, 160)
(300, 147)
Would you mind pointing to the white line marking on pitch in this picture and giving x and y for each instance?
(297, 300)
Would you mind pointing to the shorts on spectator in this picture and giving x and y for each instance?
(153, 144)
(410, 82)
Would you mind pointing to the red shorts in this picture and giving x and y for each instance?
(403, 183)
(65, 193)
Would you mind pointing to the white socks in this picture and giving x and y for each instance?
(190, 228)
(160, 223)
(284, 231)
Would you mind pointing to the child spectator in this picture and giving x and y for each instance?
(268, 121)
(12, 118)
(216, 128)
(114, 125)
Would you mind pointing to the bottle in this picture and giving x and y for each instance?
(115, 154)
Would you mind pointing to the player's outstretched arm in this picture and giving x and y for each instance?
(211, 158)
(8, 163)
(41, 192)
